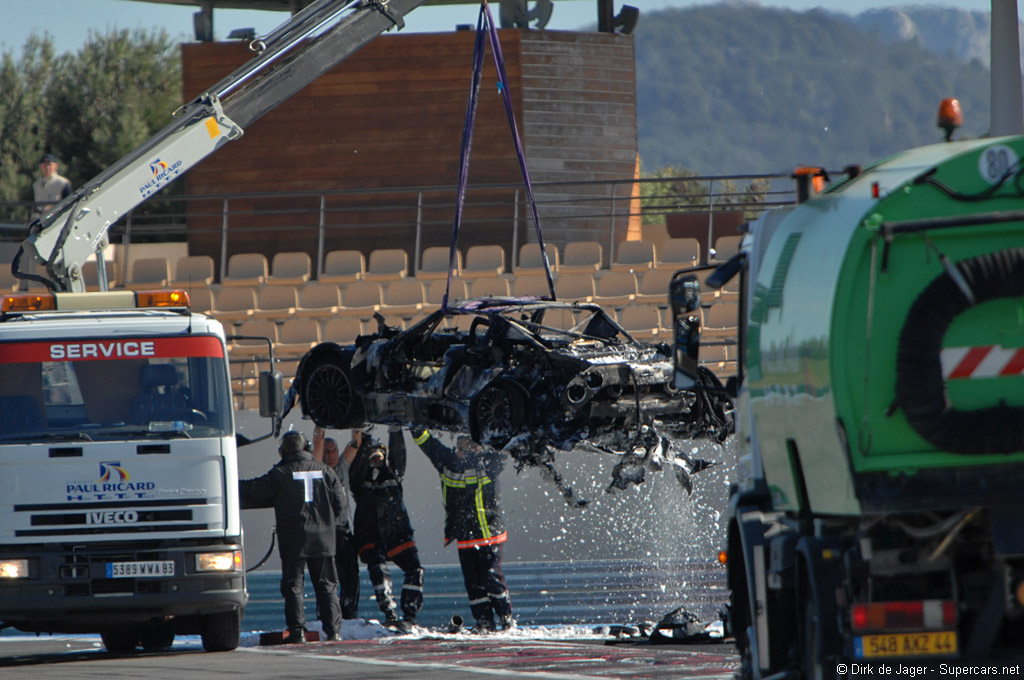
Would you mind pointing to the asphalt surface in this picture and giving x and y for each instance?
(423, 659)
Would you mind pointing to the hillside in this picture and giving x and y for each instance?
(735, 88)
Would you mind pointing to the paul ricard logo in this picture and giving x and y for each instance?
(162, 173)
(114, 483)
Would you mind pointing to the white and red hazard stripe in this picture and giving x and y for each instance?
(990, 361)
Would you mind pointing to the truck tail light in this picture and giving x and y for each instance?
(902, 615)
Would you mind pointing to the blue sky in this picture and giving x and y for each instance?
(69, 21)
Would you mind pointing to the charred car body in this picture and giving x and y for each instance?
(565, 374)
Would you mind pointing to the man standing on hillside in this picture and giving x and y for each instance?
(49, 189)
(472, 517)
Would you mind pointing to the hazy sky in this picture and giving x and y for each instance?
(69, 21)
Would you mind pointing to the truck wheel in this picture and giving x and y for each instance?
(120, 641)
(221, 632)
(157, 638)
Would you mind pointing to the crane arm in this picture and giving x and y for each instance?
(289, 58)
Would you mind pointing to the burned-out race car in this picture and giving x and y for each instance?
(510, 370)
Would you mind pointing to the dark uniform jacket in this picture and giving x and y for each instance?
(306, 497)
(380, 510)
(469, 491)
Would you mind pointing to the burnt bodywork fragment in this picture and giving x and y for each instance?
(525, 375)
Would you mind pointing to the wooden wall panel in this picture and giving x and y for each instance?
(391, 117)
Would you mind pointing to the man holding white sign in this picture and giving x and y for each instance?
(306, 497)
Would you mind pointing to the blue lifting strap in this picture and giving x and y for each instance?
(485, 27)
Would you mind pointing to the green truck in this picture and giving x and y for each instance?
(878, 514)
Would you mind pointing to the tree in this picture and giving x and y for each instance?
(678, 189)
(88, 108)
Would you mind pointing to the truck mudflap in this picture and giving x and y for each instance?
(77, 589)
(818, 578)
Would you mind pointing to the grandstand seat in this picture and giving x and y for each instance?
(726, 247)
(490, 287)
(530, 261)
(635, 256)
(318, 300)
(8, 282)
(149, 272)
(192, 272)
(343, 330)
(483, 261)
(361, 299)
(678, 253)
(89, 274)
(653, 288)
(581, 257)
(403, 298)
(526, 285)
(343, 266)
(235, 305)
(276, 302)
(616, 289)
(246, 269)
(201, 300)
(575, 287)
(641, 321)
(253, 348)
(387, 264)
(295, 337)
(289, 269)
(720, 321)
(434, 263)
(435, 292)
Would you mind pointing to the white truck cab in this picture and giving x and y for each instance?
(118, 471)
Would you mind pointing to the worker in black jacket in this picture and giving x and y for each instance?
(471, 497)
(306, 497)
(383, 531)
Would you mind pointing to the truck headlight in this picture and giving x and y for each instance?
(219, 561)
(13, 568)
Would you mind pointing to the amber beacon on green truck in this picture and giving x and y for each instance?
(878, 513)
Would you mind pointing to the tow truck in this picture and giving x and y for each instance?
(119, 507)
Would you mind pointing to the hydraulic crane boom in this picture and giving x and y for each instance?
(289, 58)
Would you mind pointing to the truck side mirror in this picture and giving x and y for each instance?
(271, 390)
(684, 295)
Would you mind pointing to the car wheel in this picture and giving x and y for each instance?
(328, 393)
(498, 413)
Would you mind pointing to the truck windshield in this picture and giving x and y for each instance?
(113, 388)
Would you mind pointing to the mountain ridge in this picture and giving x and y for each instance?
(740, 88)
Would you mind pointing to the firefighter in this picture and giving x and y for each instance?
(471, 497)
(345, 558)
(306, 497)
(383, 531)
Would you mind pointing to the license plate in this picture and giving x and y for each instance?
(153, 568)
(941, 643)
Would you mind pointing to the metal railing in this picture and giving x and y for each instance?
(566, 208)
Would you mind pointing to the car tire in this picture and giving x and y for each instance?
(498, 413)
(327, 391)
